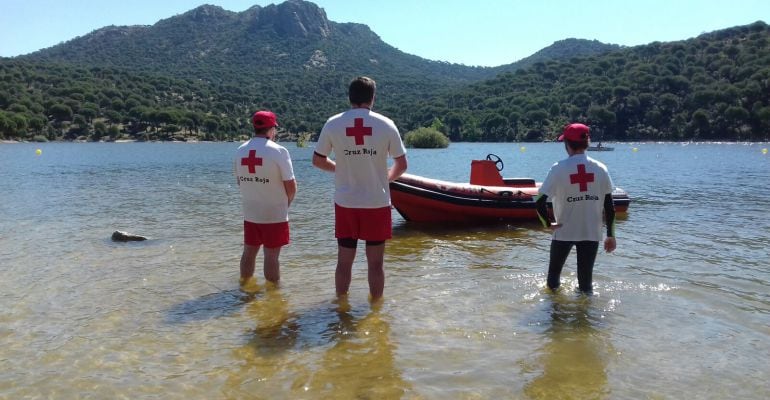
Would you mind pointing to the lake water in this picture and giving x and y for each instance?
(681, 310)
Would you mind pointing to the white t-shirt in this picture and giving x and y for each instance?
(576, 186)
(261, 166)
(361, 140)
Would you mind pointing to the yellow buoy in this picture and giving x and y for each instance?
(38, 152)
(764, 151)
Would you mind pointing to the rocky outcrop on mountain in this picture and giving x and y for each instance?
(296, 18)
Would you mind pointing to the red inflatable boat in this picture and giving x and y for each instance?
(488, 197)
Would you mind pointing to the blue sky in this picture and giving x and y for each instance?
(471, 32)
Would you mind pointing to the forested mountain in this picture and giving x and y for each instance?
(220, 46)
(215, 66)
(287, 57)
(200, 74)
(43, 100)
(563, 50)
(713, 87)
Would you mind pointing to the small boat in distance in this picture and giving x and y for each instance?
(599, 147)
(487, 198)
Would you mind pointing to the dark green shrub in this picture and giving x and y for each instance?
(426, 138)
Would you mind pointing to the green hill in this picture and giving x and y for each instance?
(713, 87)
(200, 75)
(287, 57)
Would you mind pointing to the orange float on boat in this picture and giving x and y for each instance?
(488, 196)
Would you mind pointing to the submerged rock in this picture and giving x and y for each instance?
(120, 236)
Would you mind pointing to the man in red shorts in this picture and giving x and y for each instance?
(361, 140)
(265, 177)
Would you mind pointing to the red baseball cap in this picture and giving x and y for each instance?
(575, 133)
(263, 119)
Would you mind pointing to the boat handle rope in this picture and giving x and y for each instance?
(505, 193)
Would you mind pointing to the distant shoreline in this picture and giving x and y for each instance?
(4, 141)
(116, 141)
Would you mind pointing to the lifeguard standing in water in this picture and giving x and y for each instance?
(361, 140)
(265, 176)
(579, 188)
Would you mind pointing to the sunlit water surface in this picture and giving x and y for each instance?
(682, 308)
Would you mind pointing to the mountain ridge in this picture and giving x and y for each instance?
(210, 31)
(247, 52)
(214, 65)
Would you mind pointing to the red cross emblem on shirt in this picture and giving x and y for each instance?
(252, 161)
(581, 177)
(358, 130)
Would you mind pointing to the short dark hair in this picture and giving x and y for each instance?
(361, 90)
(576, 145)
(262, 131)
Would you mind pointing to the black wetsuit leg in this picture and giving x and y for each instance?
(559, 253)
(586, 255)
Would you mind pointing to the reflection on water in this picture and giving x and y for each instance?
(572, 363)
(210, 306)
(353, 360)
(277, 328)
(684, 299)
(360, 364)
(264, 362)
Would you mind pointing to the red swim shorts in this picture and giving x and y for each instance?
(269, 235)
(373, 224)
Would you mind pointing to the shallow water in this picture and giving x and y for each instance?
(682, 308)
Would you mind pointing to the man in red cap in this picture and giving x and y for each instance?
(579, 188)
(265, 176)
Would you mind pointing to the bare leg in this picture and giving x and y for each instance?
(342, 276)
(272, 266)
(247, 261)
(375, 256)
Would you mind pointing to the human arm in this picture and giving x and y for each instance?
(235, 172)
(322, 150)
(397, 151)
(291, 189)
(398, 168)
(541, 206)
(286, 168)
(609, 219)
(323, 162)
(545, 190)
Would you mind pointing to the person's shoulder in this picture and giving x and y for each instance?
(333, 123)
(597, 163)
(383, 118)
(277, 146)
(244, 145)
(335, 117)
(384, 121)
(561, 163)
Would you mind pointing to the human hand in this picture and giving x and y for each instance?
(609, 244)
